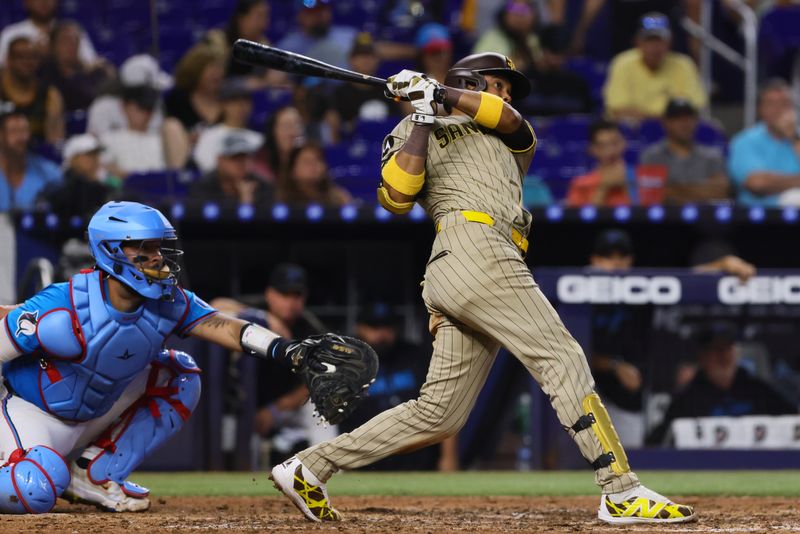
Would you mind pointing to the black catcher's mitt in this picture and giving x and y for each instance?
(338, 370)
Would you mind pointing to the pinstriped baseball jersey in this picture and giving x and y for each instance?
(469, 168)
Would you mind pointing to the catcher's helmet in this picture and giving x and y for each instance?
(471, 69)
(116, 223)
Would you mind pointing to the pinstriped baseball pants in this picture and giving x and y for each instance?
(481, 295)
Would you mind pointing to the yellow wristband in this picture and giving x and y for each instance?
(489, 111)
(390, 205)
(400, 180)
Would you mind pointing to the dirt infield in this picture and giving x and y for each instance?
(395, 515)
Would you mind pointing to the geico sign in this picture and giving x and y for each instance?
(578, 289)
(759, 290)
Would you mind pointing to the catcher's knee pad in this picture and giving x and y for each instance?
(597, 419)
(172, 393)
(32, 480)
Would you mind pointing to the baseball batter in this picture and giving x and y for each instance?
(88, 390)
(462, 156)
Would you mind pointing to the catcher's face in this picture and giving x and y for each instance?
(498, 86)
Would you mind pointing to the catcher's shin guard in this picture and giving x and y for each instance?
(172, 393)
(596, 417)
(32, 480)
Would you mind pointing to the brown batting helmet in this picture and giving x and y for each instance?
(471, 70)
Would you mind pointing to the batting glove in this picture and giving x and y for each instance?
(398, 85)
(423, 97)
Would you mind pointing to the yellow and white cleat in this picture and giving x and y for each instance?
(642, 505)
(307, 493)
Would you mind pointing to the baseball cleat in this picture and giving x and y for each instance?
(295, 481)
(642, 505)
(109, 496)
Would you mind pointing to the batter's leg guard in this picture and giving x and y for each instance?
(32, 480)
(597, 419)
(172, 393)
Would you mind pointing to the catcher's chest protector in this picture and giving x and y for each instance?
(92, 352)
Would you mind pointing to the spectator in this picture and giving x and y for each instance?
(317, 37)
(78, 82)
(350, 101)
(83, 191)
(612, 182)
(249, 20)
(106, 112)
(20, 85)
(40, 22)
(308, 181)
(694, 173)
(194, 103)
(23, 175)
(135, 149)
(402, 372)
(643, 79)
(283, 131)
(718, 256)
(434, 51)
(764, 160)
(232, 181)
(513, 35)
(556, 91)
(720, 387)
(237, 106)
(625, 15)
(618, 352)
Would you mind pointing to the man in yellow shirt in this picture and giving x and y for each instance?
(643, 79)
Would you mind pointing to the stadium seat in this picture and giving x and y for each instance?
(76, 122)
(156, 186)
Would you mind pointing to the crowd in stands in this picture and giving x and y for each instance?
(636, 130)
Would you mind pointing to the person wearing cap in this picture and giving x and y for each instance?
(237, 107)
(402, 372)
(106, 111)
(317, 36)
(135, 148)
(513, 34)
(23, 175)
(556, 90)
(613, 181)
(83, 190)
(40, 22)
(721, 387)
(643, 79)
(434, 50)
(349, 102)
(695, 173)
(764, 160)
(231, 181)
(21, 85)
(77, 81)
(618, 351)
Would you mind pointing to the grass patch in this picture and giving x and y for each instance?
(555, 483)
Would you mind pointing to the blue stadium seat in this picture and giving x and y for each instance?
(779, 40)
(76, 122)
(593, 71)
(651, 131)
(265, 103)
(375, 130)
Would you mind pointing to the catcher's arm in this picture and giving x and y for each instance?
(241, 336)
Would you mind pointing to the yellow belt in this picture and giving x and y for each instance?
(484, 218)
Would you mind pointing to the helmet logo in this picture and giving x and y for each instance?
(510, 64)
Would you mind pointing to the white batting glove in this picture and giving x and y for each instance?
(398, 84)
(423, 98)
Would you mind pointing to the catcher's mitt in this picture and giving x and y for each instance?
(337, 370)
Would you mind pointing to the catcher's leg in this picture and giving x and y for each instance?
(170, 396)
(460, 363)
(34, 473)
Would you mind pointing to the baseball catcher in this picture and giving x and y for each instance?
(462, 155)
(87, 377)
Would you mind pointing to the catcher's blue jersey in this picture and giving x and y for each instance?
(80, 353)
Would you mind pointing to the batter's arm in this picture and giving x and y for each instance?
(410, 159)
(470, 102)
